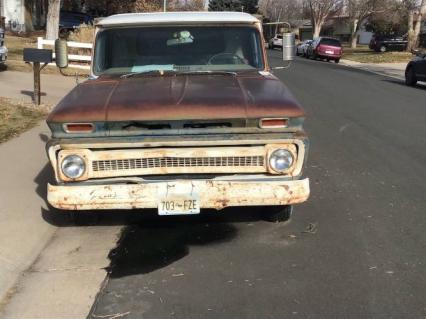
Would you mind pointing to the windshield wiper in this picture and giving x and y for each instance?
(162, 72)
(159, 72)
(208, 72)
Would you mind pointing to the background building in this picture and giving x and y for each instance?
(24, 15)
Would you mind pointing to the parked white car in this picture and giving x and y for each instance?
(3, 49)
(276, 42)
(301, 48)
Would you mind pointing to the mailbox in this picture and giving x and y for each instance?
(38, 55)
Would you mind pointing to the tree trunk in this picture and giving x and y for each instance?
(354, 40)
(278, 20)
(410, 35)
(52, 21)
(354, 33)
(415, 26)
(317, 30)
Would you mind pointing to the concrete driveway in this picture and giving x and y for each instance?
(19, 85)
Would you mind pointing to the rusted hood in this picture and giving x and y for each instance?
(177, 97)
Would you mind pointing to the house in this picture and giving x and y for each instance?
(302, 28)
(23, 15)
(338, 26)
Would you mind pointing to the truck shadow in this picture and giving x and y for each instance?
(154, 245)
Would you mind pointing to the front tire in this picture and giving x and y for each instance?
(410, 77)
(337, 60)
(277, 214)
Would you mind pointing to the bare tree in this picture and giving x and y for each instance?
(281, 10)
(186, 5)
(392, 19)
(52, 20)
(415, 15)
(359, 11)
(320, 10)
(146, 6)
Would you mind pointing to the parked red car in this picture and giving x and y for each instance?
(325, 48)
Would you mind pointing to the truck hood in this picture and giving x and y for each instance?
(176, 97)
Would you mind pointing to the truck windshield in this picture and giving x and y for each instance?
(177, 49)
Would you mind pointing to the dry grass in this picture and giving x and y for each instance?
(17, 117)
(85, 33)
(364, 55)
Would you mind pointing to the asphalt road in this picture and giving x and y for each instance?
(356, 249)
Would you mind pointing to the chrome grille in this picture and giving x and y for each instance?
(160, 162)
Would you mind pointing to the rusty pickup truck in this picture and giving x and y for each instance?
(180, 113)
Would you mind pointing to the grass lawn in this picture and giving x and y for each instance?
(16, 45)
(364, 55)
(16, 117)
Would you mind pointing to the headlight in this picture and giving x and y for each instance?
(281, 160)
(73, 166)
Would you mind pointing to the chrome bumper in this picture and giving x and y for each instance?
(215, 194)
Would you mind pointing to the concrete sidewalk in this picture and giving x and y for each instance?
(42, 267)
(394, 70)
(19, 86)
(23, 233)
(48, 267)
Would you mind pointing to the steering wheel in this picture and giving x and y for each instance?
(231, 56)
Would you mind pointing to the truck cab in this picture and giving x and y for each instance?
(181, 113)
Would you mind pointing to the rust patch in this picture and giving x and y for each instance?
(221, 203)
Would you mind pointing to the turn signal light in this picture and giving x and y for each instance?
(273, 123)
(79, 127)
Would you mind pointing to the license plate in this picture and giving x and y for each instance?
(181, 205)
(329, 52)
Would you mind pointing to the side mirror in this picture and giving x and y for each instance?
(289, 46)
(61, 53)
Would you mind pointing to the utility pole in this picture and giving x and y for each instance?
(164, 5)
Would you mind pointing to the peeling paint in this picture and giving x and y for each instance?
(211, 194)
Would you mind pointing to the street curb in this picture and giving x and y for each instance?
(367, 68)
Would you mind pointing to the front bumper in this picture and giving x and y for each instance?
(330, 56)
(215, 194)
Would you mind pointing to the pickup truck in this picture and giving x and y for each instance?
(181, 113)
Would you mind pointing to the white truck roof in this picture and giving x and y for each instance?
(176, 17)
